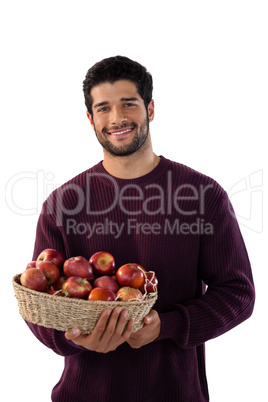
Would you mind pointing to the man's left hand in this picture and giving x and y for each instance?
(148, 333)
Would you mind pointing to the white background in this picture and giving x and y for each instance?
(209, 64)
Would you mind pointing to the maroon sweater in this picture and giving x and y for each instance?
(178, 223)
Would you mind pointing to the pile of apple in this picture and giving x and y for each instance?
(93, 279)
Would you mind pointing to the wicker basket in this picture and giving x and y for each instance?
(63, 313)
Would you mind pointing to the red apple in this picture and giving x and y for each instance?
(78, 266)
(101, 294)
(49, 291)
(151, 283)
(52, 292)
(52, 255)
(106, 282)
(131, 275)
(76, 287)
(139, 266)
(103, 263)
(34, 279)
(51, 271)
(31, 264)
(58, 285)
(127, 293)
(92, 279)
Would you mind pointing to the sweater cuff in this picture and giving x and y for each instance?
(174, 326)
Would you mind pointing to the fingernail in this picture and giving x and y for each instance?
(75, 332)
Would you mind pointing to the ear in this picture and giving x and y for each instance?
(90, 119)
(151, 110)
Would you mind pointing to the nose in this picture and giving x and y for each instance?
(117, 115)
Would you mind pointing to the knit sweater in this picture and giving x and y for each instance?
(178, 223)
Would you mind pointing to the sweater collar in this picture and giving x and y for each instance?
(150, 177)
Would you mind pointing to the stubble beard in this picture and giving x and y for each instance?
(137, 142)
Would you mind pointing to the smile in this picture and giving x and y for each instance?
(120, 132)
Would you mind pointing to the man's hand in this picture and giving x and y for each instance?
(108, 333)
(148, 333)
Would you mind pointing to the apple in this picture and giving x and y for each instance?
(78, 266)
(34, 279)
(76, 287)
(127, 293)
(101, 294)
(151, 283)
(106, 282)
(103, 263)
(52, 255)
(92, 279)
(131, 275)
(139, 266)
(51, 271)
(31, 264)
(52, 292)
(58, 285)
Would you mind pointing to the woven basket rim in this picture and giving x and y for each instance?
(17, 286)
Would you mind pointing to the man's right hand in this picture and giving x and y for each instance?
(108, 333)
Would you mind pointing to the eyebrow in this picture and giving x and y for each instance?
(104, 103)
(129, 99)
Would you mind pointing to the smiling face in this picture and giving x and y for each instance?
(120, 119)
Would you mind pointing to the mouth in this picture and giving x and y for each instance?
(122, 132)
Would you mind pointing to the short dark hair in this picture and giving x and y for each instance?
(118, 68)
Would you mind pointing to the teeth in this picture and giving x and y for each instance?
(121, 132)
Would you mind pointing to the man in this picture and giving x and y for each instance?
(169, 218)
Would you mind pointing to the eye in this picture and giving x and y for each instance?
(130, 104)
(103, 109)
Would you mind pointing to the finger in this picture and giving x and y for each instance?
(150, 317)
(112, 324)
(101, 325)
(122, 319)
(90, 341)
(128, 331)
(121, 325)
(123, 331)
(72, 334)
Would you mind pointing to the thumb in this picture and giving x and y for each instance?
(72, 334)
(149, 318)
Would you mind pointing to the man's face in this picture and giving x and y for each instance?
(120, 119)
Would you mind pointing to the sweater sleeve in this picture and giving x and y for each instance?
(48, 235)
(229, 298)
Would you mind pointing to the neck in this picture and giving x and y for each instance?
(132, 166)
